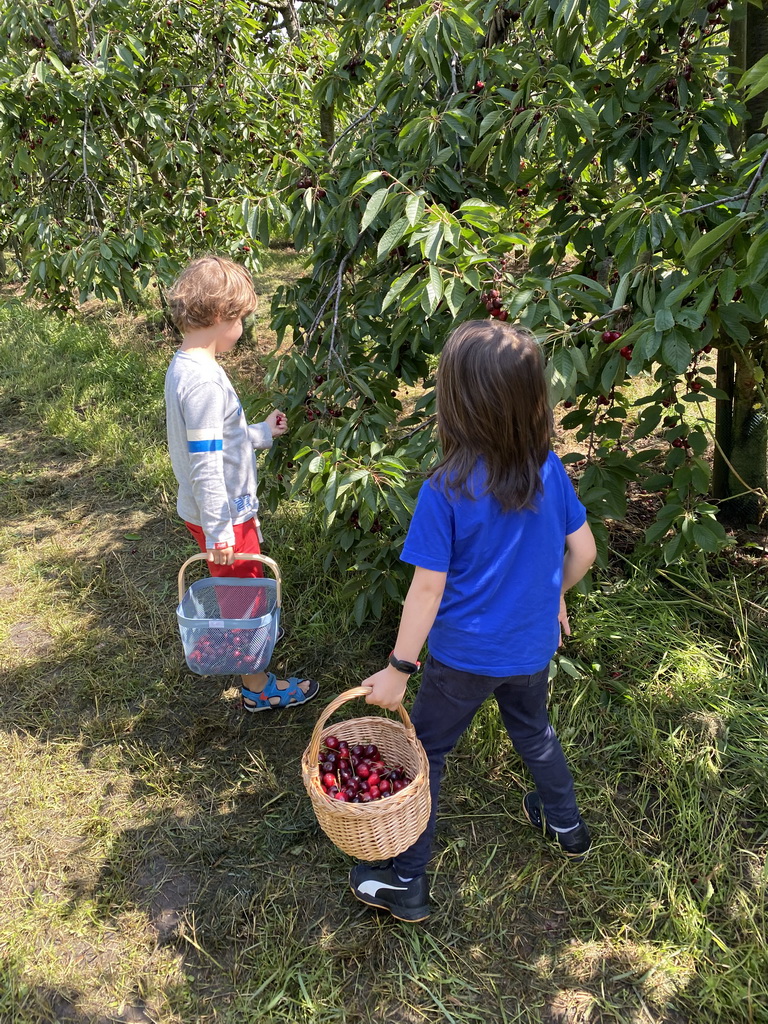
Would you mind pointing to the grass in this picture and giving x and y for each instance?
(159, 860)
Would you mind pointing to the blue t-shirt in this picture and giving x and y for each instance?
(498, 615)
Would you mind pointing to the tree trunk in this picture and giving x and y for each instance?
(749, 448)
(756, 46)
(327, 128)
(723, 424)
(740, 466)
(293, 31)
(291, 19)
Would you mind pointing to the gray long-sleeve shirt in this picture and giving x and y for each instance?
(211, 447)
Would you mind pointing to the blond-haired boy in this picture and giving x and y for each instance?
(212, 446)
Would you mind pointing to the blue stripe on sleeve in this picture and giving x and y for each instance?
(214, 445)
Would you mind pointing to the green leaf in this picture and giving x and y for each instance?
(359, 607)
(564, 12)
(599, 11)
(414, 209)
(707, 539)
(608, 376)
(707, 247)
(586, 282)
(657, 482)
(455, 294)
(673, 548)
(622, 290)
(676, 351)
(137, 46)
(56, 63)
(481, 151)
(664, 320)
(757, 259)
(125, 55)
(586, 120)
(434, 240)
(732, 322)
(434, 289)
(329, 499)
(392, 236)
(398, 287)
(690, 318)
(373, 206)
(700, 476)
(755, 78)
(367, 179)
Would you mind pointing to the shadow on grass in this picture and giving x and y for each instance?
(166, 861)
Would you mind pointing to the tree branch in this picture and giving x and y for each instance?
(350, 127)
(75, 41)
(339, 282)
(599, 319)
(67, 57)
(717, 202)
(420, 426)
(755, 180)
(746, 196)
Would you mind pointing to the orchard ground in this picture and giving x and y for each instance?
(159, 859)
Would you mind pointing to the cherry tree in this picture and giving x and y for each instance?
(580, 168)
(594, 170)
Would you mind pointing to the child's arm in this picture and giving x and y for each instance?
(386, 688)
(200, 444)
(274, 425)
(579, 555)
(278, 422)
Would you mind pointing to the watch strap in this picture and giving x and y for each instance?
(408, 667)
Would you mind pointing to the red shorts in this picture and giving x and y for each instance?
(246, 540)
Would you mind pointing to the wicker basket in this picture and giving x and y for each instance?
(385, 827)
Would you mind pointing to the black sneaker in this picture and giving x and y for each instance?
(380, 887)
(574, 844)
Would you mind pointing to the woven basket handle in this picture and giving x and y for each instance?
(244, 556)
(357, 691)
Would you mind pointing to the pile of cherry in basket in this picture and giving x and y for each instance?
(357, 774)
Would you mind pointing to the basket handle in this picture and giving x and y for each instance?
(357, 691)
(245, 556)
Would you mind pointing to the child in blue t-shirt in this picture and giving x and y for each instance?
(497, 538)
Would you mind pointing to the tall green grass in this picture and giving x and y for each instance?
(158, 855)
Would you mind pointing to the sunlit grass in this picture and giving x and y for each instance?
(132, 789)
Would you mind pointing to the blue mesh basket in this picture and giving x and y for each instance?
(229, 625)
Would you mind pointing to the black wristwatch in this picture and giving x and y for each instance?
(408, 667)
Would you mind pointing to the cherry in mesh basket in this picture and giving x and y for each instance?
(382, 828)
(229, 625)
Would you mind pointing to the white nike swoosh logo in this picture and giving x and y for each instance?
(370, 888)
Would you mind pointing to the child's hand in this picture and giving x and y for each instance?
(386, 688)
(562, 618)
(221, 556)
(278, 422)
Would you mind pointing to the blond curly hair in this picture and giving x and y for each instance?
(212, 289)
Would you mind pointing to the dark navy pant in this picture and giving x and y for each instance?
(446, 703)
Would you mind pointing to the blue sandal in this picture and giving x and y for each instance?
(272, 698)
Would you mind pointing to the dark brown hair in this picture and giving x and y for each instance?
(492, 404)
(212, 289)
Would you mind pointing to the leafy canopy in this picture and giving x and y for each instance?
(572, 165)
